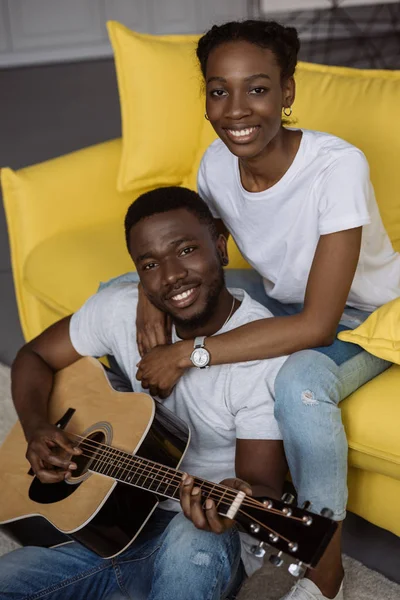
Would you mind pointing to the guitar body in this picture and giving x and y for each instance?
(94, 509)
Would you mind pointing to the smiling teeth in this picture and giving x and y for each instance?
(183, 295)
(241, 132)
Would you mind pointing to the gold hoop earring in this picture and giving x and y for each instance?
(206, 116)
(287, 114)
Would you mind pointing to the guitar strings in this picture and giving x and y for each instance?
(266, 526)
(175, 479)
(244, 503)
(173, 474)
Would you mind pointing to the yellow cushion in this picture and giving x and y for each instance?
(161, 106)
(371, 417)
(359, 106)
(380, 333)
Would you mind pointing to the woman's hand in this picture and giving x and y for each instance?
(204, 515)
(161, 368)
(153, 327)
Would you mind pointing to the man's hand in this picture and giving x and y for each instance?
(204, 515)
(49, 452)
(160, 369)
(153, 327)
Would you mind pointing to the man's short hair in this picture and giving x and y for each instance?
(166, 199)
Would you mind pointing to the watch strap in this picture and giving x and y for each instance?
(199, 341)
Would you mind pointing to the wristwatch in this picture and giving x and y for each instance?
(200, 356)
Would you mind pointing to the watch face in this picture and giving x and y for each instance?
(200, 357)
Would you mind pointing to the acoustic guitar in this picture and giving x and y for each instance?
(132, 447)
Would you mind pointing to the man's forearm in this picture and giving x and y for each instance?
(31, 385)
(260, 491)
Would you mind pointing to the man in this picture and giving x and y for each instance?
(178, 255)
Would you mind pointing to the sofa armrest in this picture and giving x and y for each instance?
(64, 193)
(50, 199)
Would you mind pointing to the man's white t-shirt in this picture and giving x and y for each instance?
(326, 189)
(220, 404)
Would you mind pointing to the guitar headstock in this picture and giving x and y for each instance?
(295, 531)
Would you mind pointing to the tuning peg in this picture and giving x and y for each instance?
(288, 498)
(296, 569)
(276, 559)
(306, 505)
(254, 528)
(258, 550)
(327, 512)
(287, 511)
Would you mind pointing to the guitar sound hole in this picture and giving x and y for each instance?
(89, 446)
(45, 493)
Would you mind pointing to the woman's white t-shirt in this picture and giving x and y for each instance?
(326, 189)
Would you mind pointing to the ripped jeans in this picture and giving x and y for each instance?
(308, 390)
(169, 560)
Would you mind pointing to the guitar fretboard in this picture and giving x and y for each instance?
(154, 477)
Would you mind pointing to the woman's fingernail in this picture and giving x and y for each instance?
(195, 491)
(208, 504)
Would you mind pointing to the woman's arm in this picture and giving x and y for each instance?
(328, 287)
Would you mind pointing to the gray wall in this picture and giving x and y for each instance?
(38, 31)
(47, 111)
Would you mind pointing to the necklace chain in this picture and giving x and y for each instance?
(230, 314)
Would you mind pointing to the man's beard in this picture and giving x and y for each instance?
(202, 318)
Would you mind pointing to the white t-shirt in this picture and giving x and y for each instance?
(326, 189)
(219, 404)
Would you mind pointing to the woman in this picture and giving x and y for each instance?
(301, 208)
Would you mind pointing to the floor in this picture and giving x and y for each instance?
(50, 110)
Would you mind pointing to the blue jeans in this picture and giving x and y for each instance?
(308, 390)
(169, 560)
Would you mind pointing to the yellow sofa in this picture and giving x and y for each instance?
(65, 220)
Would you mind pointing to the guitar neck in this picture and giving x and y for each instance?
(154, 477)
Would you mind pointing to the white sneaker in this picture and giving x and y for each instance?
(305, 589)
